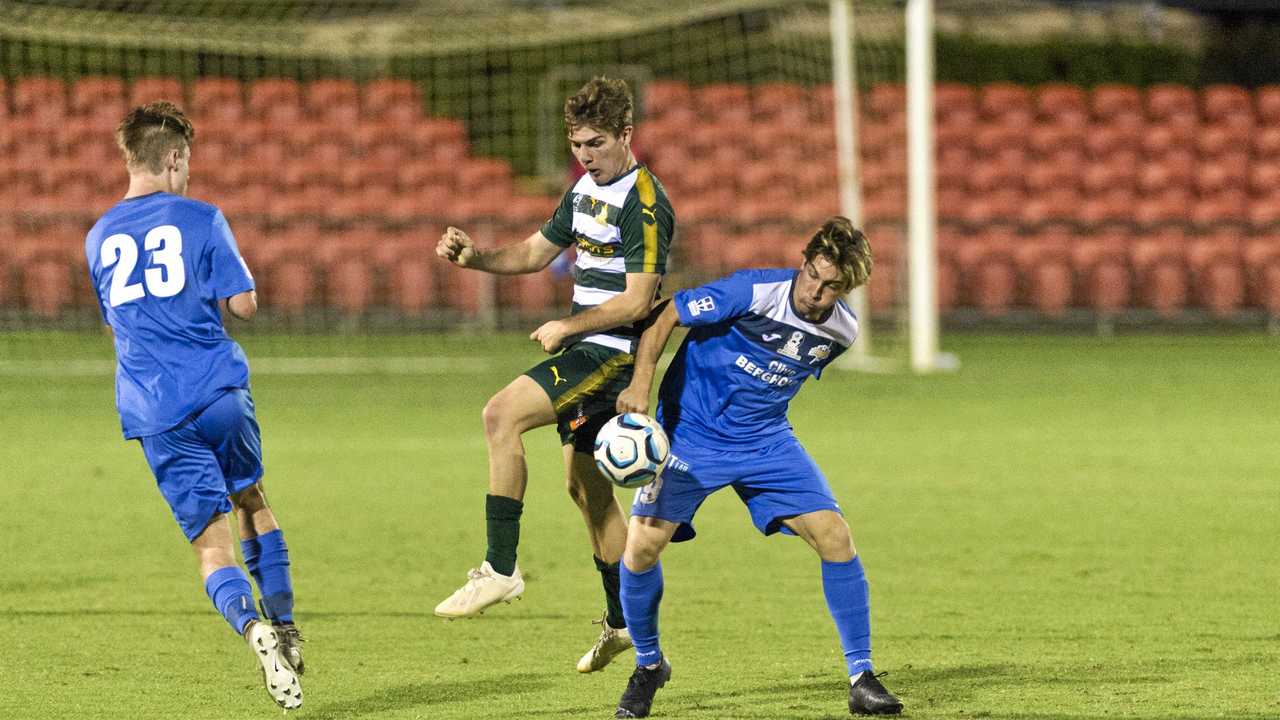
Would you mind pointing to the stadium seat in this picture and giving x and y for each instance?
(47, 286)
(1046, 138)
(477, 173)
(98, 97)
(1227, 103)
(1054, 100)
(1171, 205)
(1267, 104)
(347, 275)
(1110, 100)
(276, 100)
(1264, 211)
(886, 100)
(661, 96)
(786, 102)
(986, 262)
(221, 99)
(1167, 100)
(333, 101)
(1159, 264)
(1064, 168)
(4, 99)
(1229, 205)
(715, 100)
(1051, 204)
(953, 165)
(1217, 271)
(1266, 142)
(531, 293)
(1261, 257)
(398, 101)
(1115, 133)
(1112, 204)
(1001, 99)
(1100, 265)
(43, 99)
(149, 89)
(1044, 263)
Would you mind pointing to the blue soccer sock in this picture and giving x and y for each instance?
(232, 595)
(267, 558)
(641, 594)
(845, 586)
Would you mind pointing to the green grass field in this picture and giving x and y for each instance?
(1066, 528)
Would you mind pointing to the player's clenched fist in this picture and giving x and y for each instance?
(633, 399)
(456, 247)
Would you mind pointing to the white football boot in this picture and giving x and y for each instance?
(611, 642)
(277, 674)
(484, 588)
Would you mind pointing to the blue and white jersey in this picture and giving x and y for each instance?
(160, 263)
(747, 352)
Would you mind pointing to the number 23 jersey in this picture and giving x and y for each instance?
(159, 264)
(747, 353)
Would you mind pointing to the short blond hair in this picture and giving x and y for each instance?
(149, 132)
(603, 103)
(844, 246)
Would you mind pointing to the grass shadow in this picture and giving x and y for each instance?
(427, 693)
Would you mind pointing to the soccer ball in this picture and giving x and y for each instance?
(631, 450)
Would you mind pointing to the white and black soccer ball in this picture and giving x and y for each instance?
(632, 450)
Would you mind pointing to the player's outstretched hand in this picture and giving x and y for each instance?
(457, 247)
(633, 400)
(550, 335)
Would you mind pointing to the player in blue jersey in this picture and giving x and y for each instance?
(754, 338)
(163, 266)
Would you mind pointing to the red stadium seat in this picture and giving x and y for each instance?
(333, 101)
(786, 101)
(885, 100)
(1100, 264)
(1112, 99)
(1159, 264)
(1172, 205)
(1267, 102)
(40, 98)
(1262, 267)
(276, 100)
(986, 261)
(1166, 100)
(4, 100)
(1264, 211)
(1060, 99)
(397, 101)
(1115, 133)
(1226, 103)
(1061, 171)
(1218, 272)
(98, 97)
(1044, 263)
(217, 98)
(997, 100)
(149, 89)
(533, 293)
(1047, 138)
(663, 96)
(718, 99)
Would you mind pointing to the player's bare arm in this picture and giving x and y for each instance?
(654, 340)
(243, 305)
(627, 307)
(527, 256)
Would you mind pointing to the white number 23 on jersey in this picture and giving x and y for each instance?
(166, 280)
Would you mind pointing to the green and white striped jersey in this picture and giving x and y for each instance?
(624, 226)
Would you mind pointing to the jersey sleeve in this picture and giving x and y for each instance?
(646, 225)
(717, 301)
(559, 229)
(227, 272)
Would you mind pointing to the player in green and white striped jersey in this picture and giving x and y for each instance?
(619, 219)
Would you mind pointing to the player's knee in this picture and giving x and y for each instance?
(641, 554)
(833, 541)
(496, 419)
(251, 499)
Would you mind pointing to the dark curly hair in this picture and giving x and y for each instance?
(603, 103)
(149, 132)
(844, 246)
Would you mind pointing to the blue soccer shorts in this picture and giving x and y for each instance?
(776, 482)
(215, 453)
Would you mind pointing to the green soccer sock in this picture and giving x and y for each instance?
(609, 575)
(502, 517)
